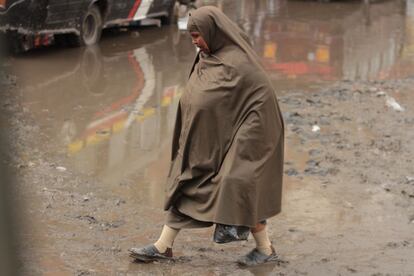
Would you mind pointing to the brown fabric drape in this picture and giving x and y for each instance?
(227, 153)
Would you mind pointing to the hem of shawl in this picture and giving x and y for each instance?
(199, 217)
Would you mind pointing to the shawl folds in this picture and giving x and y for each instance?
(228, 143)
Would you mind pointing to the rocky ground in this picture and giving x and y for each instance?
(348, 196)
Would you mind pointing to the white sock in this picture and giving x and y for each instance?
(166, 238)
(263, 244)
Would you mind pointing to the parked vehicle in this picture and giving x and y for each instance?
(28, 24)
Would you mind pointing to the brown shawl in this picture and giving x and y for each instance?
(227, 152)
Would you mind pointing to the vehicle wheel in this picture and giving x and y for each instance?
(172, 16)
(15, 46)
(90, 28)
(19, 44)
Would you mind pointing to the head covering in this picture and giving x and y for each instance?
(227, 151)
(218, 31)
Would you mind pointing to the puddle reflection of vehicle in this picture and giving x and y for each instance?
(141, 106)
(133, 128)
(113, 105)
(92, 68)
(310, 41)
(341, 45)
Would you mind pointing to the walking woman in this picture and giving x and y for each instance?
(227, 152)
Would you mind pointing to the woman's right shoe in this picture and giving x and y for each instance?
(150, 253)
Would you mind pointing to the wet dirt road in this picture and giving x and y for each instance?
(92, 130)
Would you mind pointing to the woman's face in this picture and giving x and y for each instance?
(199, 41)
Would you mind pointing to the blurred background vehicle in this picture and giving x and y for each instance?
(30, 24)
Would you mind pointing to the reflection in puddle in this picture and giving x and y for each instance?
(303, 43)
(111, 108)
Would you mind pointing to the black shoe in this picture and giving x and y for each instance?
(230, 233)
(150, 253)
(255, 257)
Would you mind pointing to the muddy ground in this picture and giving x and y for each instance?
(348, 196)
(90, 133)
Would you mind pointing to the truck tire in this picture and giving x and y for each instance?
(18, 43)
(90, 28)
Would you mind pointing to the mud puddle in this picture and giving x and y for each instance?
(92, 130)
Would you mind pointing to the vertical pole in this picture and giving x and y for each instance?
(7, 246)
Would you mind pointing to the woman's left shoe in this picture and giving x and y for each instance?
(150, 253)
(255, 257)
(229, 233)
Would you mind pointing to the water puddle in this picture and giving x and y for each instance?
(305, 44)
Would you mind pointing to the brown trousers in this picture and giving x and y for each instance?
(177, 220)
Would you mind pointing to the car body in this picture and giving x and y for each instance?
(33, 23)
